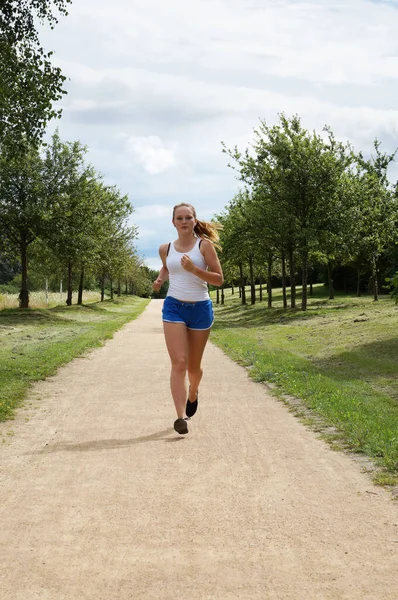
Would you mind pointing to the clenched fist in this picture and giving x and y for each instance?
(157, 284)
(187, 263)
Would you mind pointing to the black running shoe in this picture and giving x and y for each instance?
(191, 407)
(181, 426)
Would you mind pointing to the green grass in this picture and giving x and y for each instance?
(34, 343)
(340, 359)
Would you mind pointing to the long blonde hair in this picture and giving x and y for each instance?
(203, 229)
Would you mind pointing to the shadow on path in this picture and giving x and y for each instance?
(108, 444)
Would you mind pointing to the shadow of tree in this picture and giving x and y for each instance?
(258, 316)
(57, 314)
(372, 362)
(233, 314)
(31, 318)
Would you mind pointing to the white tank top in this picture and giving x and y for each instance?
(184, 285)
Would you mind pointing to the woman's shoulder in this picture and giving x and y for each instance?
(163, 248)
(204, 245)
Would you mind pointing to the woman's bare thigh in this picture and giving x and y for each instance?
(176, 341)
(197, 341)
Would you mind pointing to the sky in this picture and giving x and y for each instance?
(154, 87)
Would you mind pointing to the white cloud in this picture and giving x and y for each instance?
(301, 39)
(152, 212)
(151, 153)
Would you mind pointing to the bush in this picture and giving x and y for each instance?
(9, 288)
(393, 286)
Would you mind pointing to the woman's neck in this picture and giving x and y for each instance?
(186, 240)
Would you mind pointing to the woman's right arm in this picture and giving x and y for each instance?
(164, 272)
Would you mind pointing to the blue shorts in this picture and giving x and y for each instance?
(195, 315)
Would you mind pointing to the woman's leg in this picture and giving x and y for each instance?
(196, 344)
(177, 345)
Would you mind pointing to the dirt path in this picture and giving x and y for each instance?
(100, 499)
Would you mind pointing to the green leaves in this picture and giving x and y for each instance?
(309, 198)
(29, 83)
(59, 202)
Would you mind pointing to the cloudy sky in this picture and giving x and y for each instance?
(154, 87)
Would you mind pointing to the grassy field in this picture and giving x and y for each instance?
(35, 342)
(336, 365)
(39, 299)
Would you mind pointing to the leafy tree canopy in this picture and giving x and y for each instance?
(17, 17)
(29, 83)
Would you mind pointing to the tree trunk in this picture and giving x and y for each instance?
(70, 289)
(232, 289)
(242, 284)
(222, 296)
(330, 280)
(252, 282)
(119, 288)
(292, 268)
(304, 297)
(310, 282)
(81, 285)
(269, 281)
(126, 287)
(111, 282)
(375, 280)
(217, 296)
(24, 292)
(102, 288)
(261, 289)
(284, 294)
(358, 283)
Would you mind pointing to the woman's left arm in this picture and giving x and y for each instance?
(214, 274)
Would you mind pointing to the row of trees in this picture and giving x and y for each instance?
(55, 210)
(308, 201)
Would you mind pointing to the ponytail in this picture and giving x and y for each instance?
(208, 231)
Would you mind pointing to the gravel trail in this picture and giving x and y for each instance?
(101, 500)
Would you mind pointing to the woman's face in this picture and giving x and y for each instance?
(184, 219)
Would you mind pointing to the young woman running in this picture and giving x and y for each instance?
(190, 263)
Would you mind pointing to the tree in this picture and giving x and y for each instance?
(29, 83)
(376, 224)
(114, 252)
(23, 205)
(232, 240)
(336, 244)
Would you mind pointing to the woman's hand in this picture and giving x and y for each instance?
(162, 277)
(187, 263)
(157, 284)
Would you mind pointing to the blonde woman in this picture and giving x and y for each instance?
(190, 263)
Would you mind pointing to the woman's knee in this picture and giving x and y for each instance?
(180, 363)
(195, 371)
